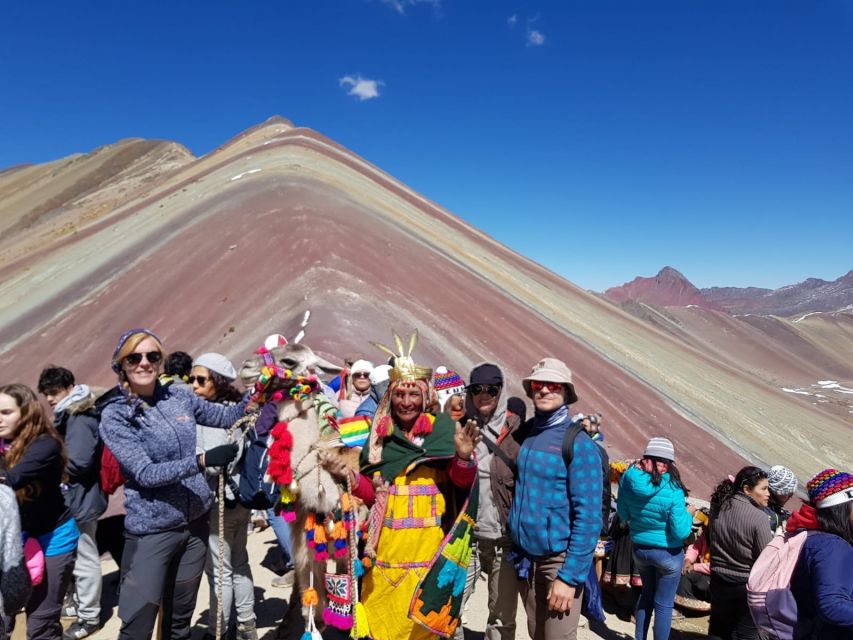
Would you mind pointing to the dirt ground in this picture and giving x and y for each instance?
(271, 605)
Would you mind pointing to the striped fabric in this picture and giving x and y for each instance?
(354, 431)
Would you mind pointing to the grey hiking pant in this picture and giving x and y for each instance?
(87, 573)
(161, 567)
(502, 586)
(237, 586)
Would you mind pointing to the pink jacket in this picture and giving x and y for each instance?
(698, 552)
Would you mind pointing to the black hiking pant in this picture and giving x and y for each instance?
(730, 616)
(162, 567)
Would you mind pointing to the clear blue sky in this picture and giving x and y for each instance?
(604, 139)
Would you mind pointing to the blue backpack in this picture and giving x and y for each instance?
(254, 492)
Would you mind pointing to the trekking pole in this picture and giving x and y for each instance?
(219, 581)
(220, 585)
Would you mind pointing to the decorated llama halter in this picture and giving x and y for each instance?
(301, 389)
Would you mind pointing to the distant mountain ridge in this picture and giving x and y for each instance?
(809, 296)
(670, 288)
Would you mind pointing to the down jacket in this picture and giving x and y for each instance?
(656, 515)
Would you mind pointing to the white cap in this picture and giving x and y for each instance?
(361, 366)
(217, 363)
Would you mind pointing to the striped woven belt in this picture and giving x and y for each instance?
(413, 490)
(411, 523)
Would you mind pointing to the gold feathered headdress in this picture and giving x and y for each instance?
(405, 369)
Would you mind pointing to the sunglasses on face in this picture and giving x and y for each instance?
(134, 359)
(553, 387)
(492, 389)
(361, 374)
(202, 380)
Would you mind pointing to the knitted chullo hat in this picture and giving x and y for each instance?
(781, 480)
(447, 383)
(829, 488)
(660, 448)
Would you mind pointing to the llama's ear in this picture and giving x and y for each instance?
(327, 367)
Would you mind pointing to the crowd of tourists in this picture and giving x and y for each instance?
(463, 490)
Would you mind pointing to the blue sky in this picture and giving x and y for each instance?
(603, 139)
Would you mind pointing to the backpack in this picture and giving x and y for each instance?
(568, 453)
(110, 477)
(254, 491)
(768, 591)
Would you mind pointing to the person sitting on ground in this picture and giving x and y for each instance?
(738, 535)
(177, 368)
(652, 502)
(151, 430)
(782, 483)
(555, 516)
(212, 378)
(76, 419)
(694, 588)
(356, 389)
(34, 467)
(821, 583)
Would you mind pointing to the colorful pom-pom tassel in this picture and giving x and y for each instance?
(342, 622)
(310, 597)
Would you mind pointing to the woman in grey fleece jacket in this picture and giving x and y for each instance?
(151, 430)
(15, 584)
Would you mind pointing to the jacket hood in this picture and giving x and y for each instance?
(88, 403)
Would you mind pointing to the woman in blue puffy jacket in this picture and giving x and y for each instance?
(652, 502)
(822, 584)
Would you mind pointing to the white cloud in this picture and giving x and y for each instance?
(400, 5)
(512, 20)
(361, 88)
(535, 38)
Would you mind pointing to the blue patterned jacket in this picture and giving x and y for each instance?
(557, 510)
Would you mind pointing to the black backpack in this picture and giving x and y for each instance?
(568, 452)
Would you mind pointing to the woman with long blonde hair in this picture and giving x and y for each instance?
(34, 467)
(151, 430)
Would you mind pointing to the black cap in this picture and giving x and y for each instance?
(486, 374)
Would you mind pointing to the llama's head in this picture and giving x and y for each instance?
(298, 358)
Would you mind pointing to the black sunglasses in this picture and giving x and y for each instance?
(134, 359)
(361, 374)
(202, 380)
(492, 389)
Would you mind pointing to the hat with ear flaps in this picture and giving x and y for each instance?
(404, 373)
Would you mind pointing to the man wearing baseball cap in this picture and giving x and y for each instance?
(555, 516)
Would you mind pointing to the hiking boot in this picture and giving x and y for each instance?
(81, 629)
(247, 630)
(69, 606)
(283, 581)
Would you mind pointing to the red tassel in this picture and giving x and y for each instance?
(278, 428)
(385, 427)
(423, 426)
